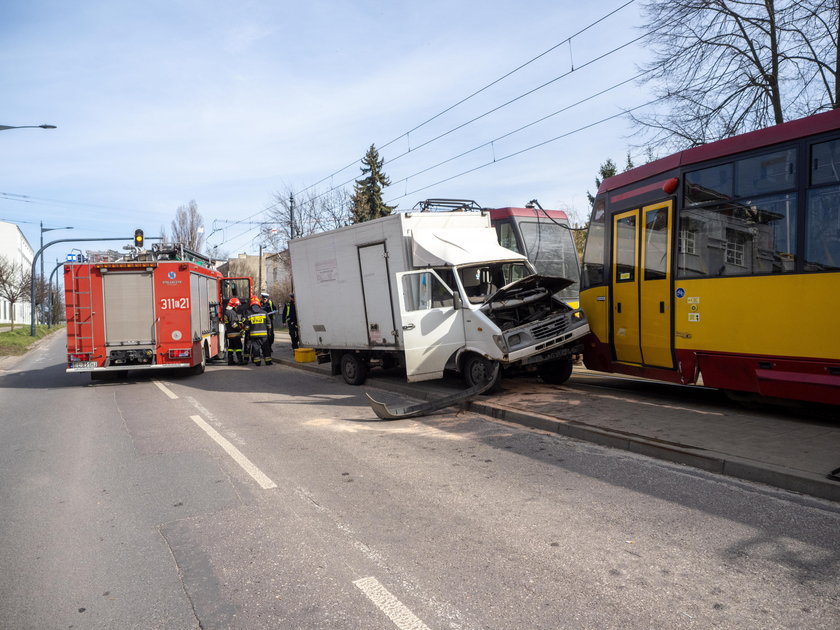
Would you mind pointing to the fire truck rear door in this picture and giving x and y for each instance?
(129, 308)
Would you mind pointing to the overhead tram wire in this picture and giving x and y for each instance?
(567, 40)
(522, 128)
(521, 96)
(525, 150)
(495, 109)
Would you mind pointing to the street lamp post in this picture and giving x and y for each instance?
(43, 229)
(58, 265)
(4, 127)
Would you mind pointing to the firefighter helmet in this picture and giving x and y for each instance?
(254, 300)
(234, 302)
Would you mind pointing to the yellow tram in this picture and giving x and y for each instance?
(722, 262)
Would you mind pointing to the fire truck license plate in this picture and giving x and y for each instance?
(84, 364)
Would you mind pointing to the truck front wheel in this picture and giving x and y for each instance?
(478, 370)
(555, 372)
(353, 369)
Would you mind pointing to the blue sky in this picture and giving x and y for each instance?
(228, 103)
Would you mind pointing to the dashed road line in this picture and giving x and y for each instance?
(259, 476)
(396, 611)
(165, 390)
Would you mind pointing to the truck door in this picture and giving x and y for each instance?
(432, 329)
(234, 287)
(128, 297)
(376, 291)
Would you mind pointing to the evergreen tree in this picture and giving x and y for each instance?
(608, 169)
(366, 200)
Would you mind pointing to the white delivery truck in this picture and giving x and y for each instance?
(430, 291)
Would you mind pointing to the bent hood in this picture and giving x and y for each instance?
(552, 284)
(458, 247)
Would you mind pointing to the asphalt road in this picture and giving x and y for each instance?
(272, 498)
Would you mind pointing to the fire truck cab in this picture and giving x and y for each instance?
(157, 309)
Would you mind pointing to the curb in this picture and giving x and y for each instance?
(709, 461)
(702, 459)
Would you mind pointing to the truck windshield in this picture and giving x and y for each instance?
(482, 281)
(551, 248)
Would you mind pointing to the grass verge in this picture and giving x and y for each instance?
(16, 342)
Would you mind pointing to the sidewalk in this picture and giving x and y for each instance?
(788, 451)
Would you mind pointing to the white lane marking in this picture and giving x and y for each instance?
(165, 390)
(397, 612)
(259, 476)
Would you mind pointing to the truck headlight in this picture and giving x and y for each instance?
(500, 342)
(514, 340)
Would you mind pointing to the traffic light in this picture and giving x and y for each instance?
(138, 239)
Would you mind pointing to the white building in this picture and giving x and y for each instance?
(16, 249)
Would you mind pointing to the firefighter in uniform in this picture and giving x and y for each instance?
(268, 306)
(259, 327)
(234, 327)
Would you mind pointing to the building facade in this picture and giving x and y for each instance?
(17, 252)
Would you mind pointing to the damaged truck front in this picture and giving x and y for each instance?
(430, 292)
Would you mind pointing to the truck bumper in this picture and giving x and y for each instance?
(125, 368)
(550, 349)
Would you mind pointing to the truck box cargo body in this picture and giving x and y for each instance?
(142, 314)
(429, 291)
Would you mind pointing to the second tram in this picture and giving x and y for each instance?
(545, 237)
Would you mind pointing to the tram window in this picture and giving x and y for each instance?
(766, 173)
(592, 271)
(507, 236)
(825, 163)
(708, 184)
(551, 249)
(822, 238)
(656, 244)
(756, 236)
(625, 255)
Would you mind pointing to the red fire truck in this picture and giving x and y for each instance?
(156, 309)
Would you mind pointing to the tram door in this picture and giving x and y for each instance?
(642, 328)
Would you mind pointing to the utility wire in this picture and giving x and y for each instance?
(479, 91)
(522, 128)
(531, 148)
(495, 109)
(517, 98)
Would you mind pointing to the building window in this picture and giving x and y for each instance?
(734, 248)
(688, 244)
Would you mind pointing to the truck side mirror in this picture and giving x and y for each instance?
(457, 301)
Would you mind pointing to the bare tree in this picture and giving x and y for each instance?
(313, 212)
(188, 227)
(14, 283)
(815, 31)
(722, 67)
